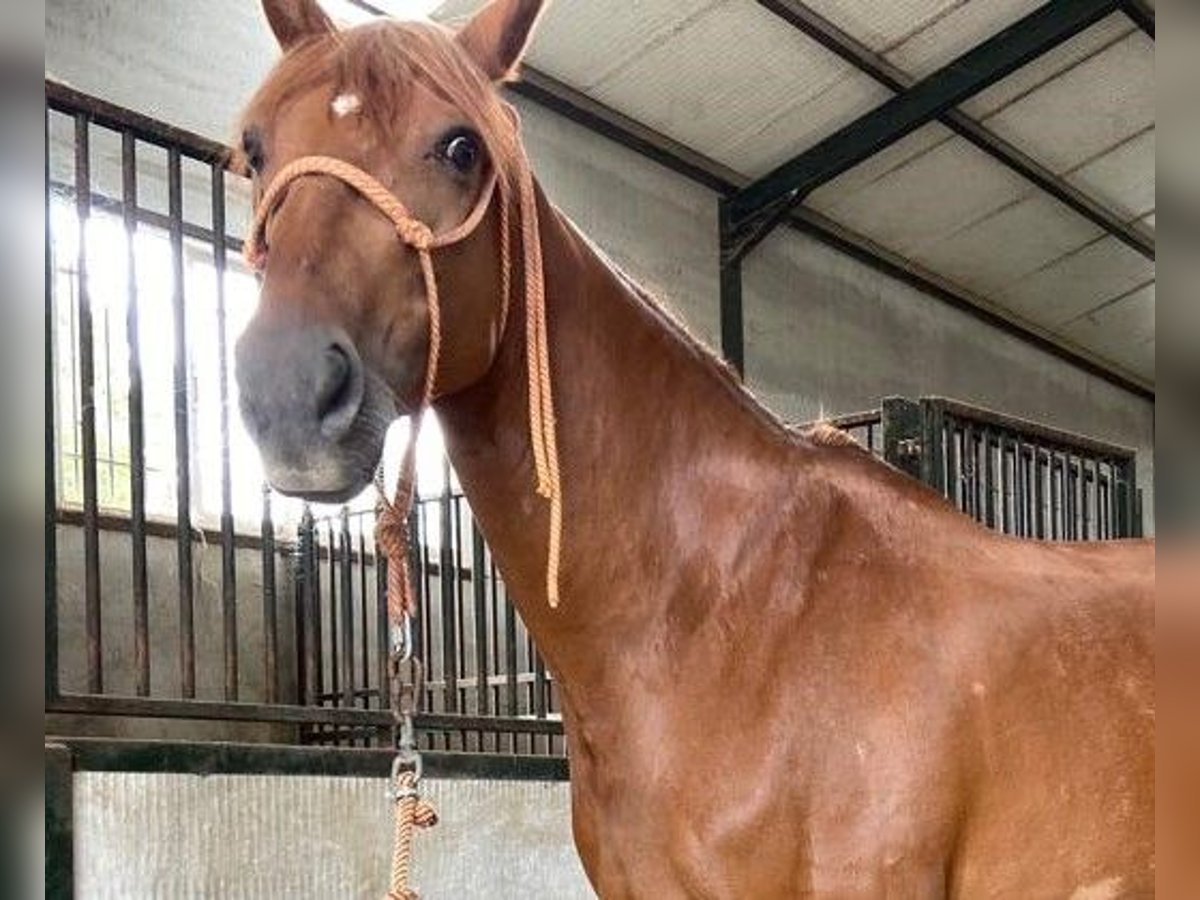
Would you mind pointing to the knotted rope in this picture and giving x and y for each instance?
(392, 520)
(411, 813)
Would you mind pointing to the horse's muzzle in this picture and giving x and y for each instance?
(303, 397)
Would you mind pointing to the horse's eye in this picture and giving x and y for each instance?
(461, 151)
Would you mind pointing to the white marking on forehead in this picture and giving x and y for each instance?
(345, 104)
(1106, 889)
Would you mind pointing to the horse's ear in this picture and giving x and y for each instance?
(294, 20)
(497, 35)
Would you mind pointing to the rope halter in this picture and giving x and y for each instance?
(392, 521)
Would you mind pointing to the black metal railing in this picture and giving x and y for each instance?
(481, 668)
(1014, 475)
(178, 586)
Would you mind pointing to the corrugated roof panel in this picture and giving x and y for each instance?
(881, 25)
(887, 160)
(1087, 110)
(800, 125)
(953, 34)
(584, 43)
(1010, 242)
(1083, 46)
(1122, 331)
(728, 74)
(927, 198)
(1077, 283)
(1121, 179)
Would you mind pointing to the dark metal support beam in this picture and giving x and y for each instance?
(733, 346)
(844, 45)
(60, 833)
(1000, 55)
(1142, 14)
(212, 758)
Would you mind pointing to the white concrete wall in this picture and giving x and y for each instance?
(824, 332)
(239, 836)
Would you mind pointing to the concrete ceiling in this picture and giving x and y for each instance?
(736, 83)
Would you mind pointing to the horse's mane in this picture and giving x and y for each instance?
(820, 433)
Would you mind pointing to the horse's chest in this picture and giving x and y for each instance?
(727, 810)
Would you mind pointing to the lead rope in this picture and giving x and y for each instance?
(392, 533)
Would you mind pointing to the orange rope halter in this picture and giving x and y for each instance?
(392, 523)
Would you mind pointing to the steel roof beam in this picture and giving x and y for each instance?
(782, 189)
(834, 39)
(1142, 14)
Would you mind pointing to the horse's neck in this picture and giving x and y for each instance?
(648, 424)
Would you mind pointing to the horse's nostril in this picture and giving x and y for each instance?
(338, 390)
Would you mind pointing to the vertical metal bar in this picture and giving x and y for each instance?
(1085, 517)
(1072, 530)
(497, 615)
(510, 652)
(989, 477)
(183, 467)
(539, 685)
(334, 648)
(1023, 490)
(425, 639)
(306, 578)
(1005, 484)
(1103, 513)
(137, 441)
(87, 415)
(968, 468)
(479, 595)
(300, 582)
(228, 559)
(59, 823)
(460, 605)
(730, 264)
(270, 615)
(978, 454)
(953, 466)
(1053, 470)
(446, 566)
(933, 443)
(1039, 494)
(50, 524)
(364, 644)
(1113, 509)
(381, 625)
(1133, 502)
(316, 672)
(347, 609)
(1121, 490)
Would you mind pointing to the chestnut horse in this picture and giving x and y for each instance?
(787, 669)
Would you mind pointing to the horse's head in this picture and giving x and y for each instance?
(339, 344)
